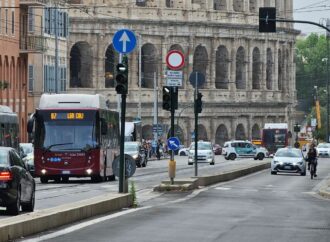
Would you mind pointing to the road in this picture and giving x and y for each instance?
(55, 194)
(258, 207)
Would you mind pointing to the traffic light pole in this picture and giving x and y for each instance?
(123, 185)
(172, 163)
(196, 128)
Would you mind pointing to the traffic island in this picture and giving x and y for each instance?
(206, 180)
(324, 191)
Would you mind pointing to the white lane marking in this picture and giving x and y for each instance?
(223, 188)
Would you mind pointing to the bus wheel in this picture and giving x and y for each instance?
(44, 179)
(57, 179)
(65, 179)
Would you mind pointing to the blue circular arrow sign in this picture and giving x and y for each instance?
(173, 143)
(124, 41)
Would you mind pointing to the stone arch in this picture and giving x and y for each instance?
(147, 132)
(200, 61)
(178, 132)
(269, 70)
(81, 65)
(240, 69)
(280, 70)
(221, 78)
(253, 6)
(256, 132)
(221, 135)
(110, 62)
(220, 5)
(238, 5)
(240, 132)
(256, 68)
(149, 65)
(202, 133)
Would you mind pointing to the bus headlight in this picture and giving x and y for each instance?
(43, 171)
(89, 171)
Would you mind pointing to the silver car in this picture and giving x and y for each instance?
(204, 153)
(323, 149)
(289, 160)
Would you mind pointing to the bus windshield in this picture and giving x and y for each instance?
(64, 135)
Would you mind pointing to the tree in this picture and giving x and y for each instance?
(311, 54)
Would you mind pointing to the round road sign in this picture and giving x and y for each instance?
(174, 60)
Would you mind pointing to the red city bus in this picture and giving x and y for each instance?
(75, 135)
(274, 136)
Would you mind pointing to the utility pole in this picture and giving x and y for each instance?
(328, 76)
(56, 49)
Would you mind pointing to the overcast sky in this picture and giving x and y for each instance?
(311, 10)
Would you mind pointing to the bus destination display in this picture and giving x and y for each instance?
(69, 116)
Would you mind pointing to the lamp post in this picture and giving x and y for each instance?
(328, 95)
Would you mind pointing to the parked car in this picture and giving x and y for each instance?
(217, 149)
(17, 186)
(135, 150)
(25, 148)
(323, 149)
(289, 160)
(183, 151)
(204, 153)
(240, 148)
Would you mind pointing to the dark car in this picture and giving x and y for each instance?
(17, 186)
(217, 149)
(135, 150)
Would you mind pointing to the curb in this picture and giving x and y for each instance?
(39, 221)
(324, 191)
(195, 182)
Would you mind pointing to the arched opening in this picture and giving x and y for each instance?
(220, 5)
(202, 134)
(81, 65)
(200, 61)
(256, 69)
(269, 70)
(221, 75)
(287, 69)
(240, 69)
(149, 65)
(280, 70)
(240, 132)
(256, 135)
(110, 62)
(221, 135)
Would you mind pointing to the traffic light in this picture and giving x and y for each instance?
(167, 98)
(122, 77)
(199, 103)
(267, 20)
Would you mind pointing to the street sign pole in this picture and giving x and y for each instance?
(196, 125)
(172, 164)
(123, 185)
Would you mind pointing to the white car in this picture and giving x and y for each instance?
(323, 149)
(289, 160)
(204, 152)
(241, 148)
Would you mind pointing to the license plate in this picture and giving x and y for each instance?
(287, 167)
(66, 172)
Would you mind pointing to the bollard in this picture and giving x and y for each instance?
(171, 170)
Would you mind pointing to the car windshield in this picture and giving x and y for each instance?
(3, 157)
(201, 146)
(27, 148)
(288, 153)
(130, 147)
(323, 146)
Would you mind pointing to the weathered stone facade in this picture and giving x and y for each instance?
(250, 77)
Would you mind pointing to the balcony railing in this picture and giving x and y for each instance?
(32, 44)
(33, 2)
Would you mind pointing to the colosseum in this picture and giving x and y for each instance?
(249, 76)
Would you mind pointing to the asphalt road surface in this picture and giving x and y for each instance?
(258, 207)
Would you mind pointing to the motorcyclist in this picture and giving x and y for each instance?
(312, 157)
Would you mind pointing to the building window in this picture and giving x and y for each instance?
(12, 22)
(0, 18)
(6, 21)
(31, 78)
(141, 3)
(31, 19)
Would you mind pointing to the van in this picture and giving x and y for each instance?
(241, 148)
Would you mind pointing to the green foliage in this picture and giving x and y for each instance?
(319, 134)
(311, 67)
(132, 191)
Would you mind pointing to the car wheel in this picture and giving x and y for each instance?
(182, 153)
(190, 163)
(261, 156)
(212, 163)
(14, 208)
(44, 179)
(232, 156)
(303, 173)
(65, 179)
(29, 207)
(227, 158)
(255, 158)
(273, 172)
